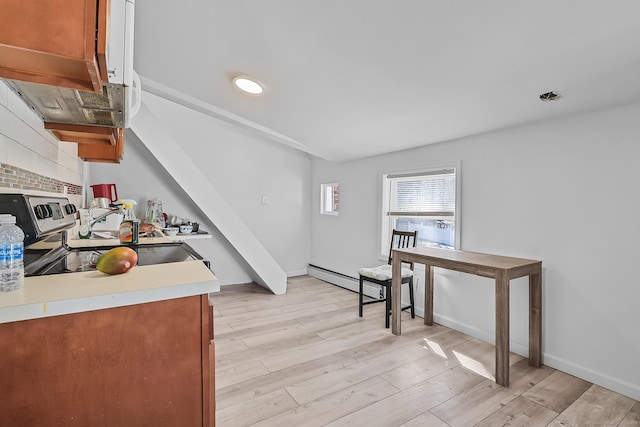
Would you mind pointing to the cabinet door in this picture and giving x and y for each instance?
(83, 134)
(51, 42)
(103, 152)
(208, 368)
(139, 365)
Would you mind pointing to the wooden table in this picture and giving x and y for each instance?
(502, 269)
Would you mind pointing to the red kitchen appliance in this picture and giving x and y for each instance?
(105, 190)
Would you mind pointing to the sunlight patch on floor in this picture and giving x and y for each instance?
(473, 365)
(435, 347)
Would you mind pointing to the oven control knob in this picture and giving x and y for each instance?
(70, 208)
(41, 211)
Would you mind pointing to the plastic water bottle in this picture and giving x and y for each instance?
(3, 249)
(11, 254)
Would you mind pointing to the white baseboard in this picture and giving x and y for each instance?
(615, 384)
(295, 273)
(515, 347)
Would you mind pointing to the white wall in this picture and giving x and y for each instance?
(25, 143)
(243, 168)
(564, 192)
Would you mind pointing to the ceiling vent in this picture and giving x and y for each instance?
(549, 96)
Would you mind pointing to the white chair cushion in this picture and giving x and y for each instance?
(383, 272)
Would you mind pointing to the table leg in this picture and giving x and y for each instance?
(428, 295)
(396, 288)
(502, 328)
(535, 319)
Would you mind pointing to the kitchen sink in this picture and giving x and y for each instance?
(85, 259)
(104, 234)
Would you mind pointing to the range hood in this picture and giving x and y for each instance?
(53, 104)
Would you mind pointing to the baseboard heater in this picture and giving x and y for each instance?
(352, 284)
(342, 280)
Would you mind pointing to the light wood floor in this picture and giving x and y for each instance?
(307, 359)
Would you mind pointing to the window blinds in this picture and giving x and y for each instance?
(423, 194)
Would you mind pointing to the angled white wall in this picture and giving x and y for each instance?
(239, 167)
(141, 177)
(194, 182)
(24, 143)
(564, 192)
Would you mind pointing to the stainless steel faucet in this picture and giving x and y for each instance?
(93, 221)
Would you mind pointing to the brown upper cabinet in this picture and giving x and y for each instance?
(54, 42)
(103, 153)
(83, 134)
(95, 143)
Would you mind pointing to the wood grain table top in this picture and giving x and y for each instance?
(470, 262)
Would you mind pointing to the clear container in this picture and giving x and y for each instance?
(129, 231)
(11, 254)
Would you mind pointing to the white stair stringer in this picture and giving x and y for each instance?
(196, 185)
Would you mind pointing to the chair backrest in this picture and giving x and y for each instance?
(402, 240)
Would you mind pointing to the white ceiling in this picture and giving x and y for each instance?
(353, 78)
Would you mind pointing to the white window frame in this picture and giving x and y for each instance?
(386, 220)
(328, 192)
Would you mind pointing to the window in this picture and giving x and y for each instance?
(329, 199)
(423, 201)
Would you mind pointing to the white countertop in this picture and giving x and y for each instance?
(44, 296)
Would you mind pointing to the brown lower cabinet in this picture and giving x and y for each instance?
(142, 365)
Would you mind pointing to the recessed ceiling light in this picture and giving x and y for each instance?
(248, 85)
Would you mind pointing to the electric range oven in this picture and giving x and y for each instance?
(48, 218)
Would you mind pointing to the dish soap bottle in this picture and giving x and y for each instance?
(129, 227)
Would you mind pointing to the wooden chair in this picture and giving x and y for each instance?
(381, 275)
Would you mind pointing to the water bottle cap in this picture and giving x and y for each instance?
(7, 219)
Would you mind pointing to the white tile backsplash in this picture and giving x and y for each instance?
(4, 146)
(47, 150)
(28, 137)
(19, 108)
(24, 143)
(4, 93)
(6, 118)
(25, 158)
(10, 125)
(69, 149)
(65, 174)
